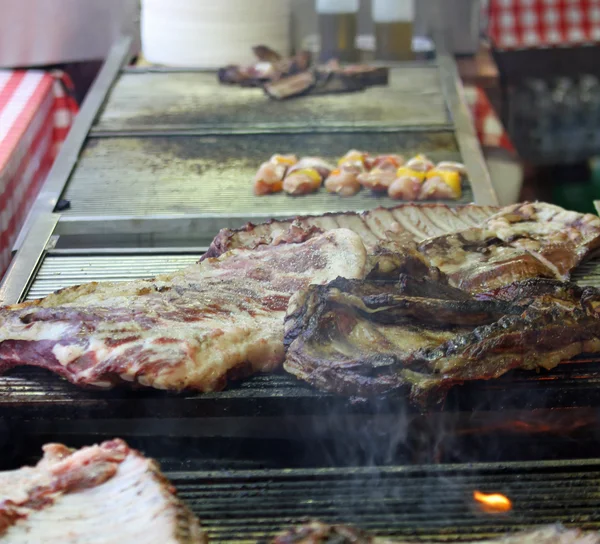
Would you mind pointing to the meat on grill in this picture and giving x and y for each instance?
(363, 338)
(416, 222)
(103, 494)
(317, 532)
(478, 248)
(195, 328)
(520, 241)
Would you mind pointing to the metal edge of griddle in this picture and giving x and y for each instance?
(67, 158)
(258, 129)
(28, 258)
(466, 137)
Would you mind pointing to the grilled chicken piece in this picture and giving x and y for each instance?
(343, 181)
(316, 532)
(364, 338)
(103, 494)
(195, 328)
(269, 178)
(306, 176)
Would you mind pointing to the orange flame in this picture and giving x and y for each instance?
(493, 503)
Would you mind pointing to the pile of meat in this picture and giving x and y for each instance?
(103, 494)
(283, 78)
(415, 297)
(415, 179)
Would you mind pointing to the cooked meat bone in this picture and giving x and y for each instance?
(191, 329)
(369, 338)
(415, 221)
(102, 494)
(317, 533)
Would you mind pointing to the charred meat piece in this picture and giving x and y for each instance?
(196, 328)
(291, 86)
(316, 533)
(103, 494)
(270, 67)
(364, 338)
(519, 242)
(560, 238)
(415, 221)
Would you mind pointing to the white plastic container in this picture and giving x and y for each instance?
(212, 33)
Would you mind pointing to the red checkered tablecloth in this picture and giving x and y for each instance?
(36, 112)
(526, 24)
(488, 126)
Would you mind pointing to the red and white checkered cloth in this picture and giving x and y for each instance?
(35, 116)
(488, 126)
(529, 24)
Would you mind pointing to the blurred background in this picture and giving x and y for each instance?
(528, 67)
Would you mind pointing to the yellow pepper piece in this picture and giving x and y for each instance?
(351, 157)
(403, 171)
(311, 173)
(452, 179)
(284, 159)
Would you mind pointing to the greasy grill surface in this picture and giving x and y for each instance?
(159, 101)
(31, 390)
(213, 175)
(417, 503)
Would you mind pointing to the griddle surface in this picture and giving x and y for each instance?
(213, 175)
(162, 101)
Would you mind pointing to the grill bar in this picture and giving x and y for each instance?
(418, 503)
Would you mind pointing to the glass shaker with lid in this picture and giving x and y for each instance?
(393, 20)
(338, 21)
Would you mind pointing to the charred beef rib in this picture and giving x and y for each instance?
(520, 241)
(320, 533)
(364, 338)
(190, 329)
(414, 221)
(478, 248)
(103, 494)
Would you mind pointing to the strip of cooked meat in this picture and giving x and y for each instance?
(195, 328)
(363, 338)
(316, 532)
(103, 494)
(519, 242)
(415, 221)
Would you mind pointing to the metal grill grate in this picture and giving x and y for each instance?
(213, 176)
(58, 272)
(426, 503)
(158, 101)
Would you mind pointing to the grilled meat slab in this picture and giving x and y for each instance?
(415, 222)
(520, 241)
(478, 248)
(364, 338)
(317, 532)
(195, 328)
(103, 494)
